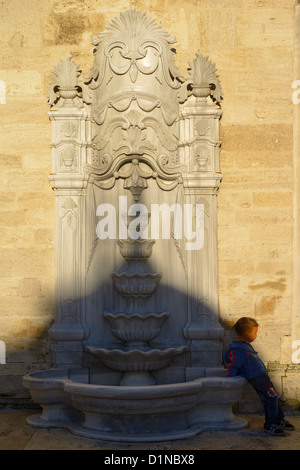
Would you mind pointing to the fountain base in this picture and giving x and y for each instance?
(137, 378)
(81, 431)
(134, 413)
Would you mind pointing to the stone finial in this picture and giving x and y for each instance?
(202, 80)
(67, 83)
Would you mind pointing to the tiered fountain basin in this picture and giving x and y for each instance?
(136, 284)
(136, 327)
(130, 249)
(134, 413)
(136, 359)
(141, 328)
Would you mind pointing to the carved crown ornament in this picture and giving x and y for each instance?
(133, 44)
(133, 95)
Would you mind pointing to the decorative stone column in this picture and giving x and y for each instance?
(199, 152)
(70, 122)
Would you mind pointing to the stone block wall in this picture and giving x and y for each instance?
(252, 43)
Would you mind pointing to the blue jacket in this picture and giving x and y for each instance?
(243, 360)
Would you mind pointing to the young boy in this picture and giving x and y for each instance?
(243, 360)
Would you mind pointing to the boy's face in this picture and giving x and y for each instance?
(251, 335)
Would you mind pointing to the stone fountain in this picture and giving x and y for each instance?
(135, 326)
(137, 345)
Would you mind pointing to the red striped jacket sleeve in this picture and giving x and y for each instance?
(236, 359)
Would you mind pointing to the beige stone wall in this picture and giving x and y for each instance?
(252, 43)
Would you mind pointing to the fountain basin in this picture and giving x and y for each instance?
(134, 413)
(136, 327)
(136, 284)
(136, 359)
(136, 249)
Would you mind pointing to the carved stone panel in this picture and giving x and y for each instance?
(68, 161)
(202, 158)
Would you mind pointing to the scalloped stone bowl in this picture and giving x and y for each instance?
(136, 284)
(134, 413)
(135, 249)
(136, 328)
(136, 359)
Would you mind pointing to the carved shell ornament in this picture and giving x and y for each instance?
(133, 43)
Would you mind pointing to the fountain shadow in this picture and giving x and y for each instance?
(85, 396)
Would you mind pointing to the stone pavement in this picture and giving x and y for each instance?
(16, 434)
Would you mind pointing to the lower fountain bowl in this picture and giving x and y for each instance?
(134, 359)
(137, 413)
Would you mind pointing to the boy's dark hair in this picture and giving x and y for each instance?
(245, 324)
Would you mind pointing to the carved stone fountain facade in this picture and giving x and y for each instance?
(135, 155)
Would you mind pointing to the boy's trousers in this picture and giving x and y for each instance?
(267, 393)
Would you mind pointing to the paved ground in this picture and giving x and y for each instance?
(16, 434)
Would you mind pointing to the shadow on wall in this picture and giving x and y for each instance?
(27, 349)
(123, 326)
(26, 353)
